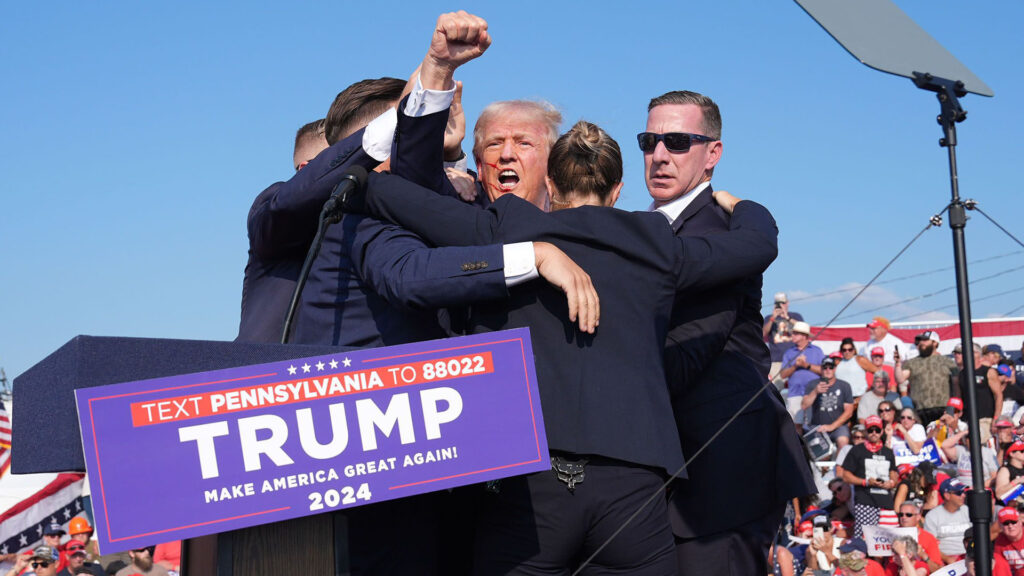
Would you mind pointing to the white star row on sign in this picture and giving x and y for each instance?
(319, 366)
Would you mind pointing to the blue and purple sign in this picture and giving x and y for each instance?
(209, 452)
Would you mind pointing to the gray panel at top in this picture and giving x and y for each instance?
(882, 36)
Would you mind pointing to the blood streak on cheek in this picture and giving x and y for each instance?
(494, 187)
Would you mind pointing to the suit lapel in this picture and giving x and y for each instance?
(703, 199)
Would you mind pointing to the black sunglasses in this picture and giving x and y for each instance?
(674, 141)
(886, 409)
(874, 430)
(1011, 522)
(908, 514)
(848, 349)
(40, 564)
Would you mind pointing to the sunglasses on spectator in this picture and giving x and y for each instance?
(907, 514)
(828, 366)
(874, 430)
(40, 564)
(848, 349)
(858, 436)
(906, 417)
(1011, 522)
(886, 409)
(674, 141)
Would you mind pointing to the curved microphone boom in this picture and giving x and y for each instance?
(352, 183)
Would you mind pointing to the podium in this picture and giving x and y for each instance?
(45, 392)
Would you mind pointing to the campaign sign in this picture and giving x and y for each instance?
(202, 453)
(879, 538)
(929, 451)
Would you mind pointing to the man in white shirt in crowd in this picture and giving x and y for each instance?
(880, 337)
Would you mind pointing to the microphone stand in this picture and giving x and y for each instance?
(979, 501)
(331, 213)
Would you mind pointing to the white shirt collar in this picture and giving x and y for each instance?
(673, 209)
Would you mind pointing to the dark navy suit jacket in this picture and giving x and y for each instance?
(716, 361)
(603, 394)
(373, 283)
(281, 225)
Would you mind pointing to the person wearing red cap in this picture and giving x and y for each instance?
(1010, 542)
(949, 422)
(1011, 474)
(880, 337)
(78, 561)
(878, 365)
(871, 468)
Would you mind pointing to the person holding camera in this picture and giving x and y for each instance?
(871, 468)
(778, 331)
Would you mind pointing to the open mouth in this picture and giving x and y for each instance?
(507, 180)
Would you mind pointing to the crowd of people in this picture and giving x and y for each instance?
(899, 454)
(74, 551)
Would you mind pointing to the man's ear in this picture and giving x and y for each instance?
(714, 155)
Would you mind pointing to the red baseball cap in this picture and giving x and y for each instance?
(879, 321)
(956, 403)
(1008, 514)
(904, 469)
(873, 420)
(1015, 447)
(878, 351)
(806, 525)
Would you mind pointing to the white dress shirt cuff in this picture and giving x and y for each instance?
(422, 101)
(379, 134)
(520, 263)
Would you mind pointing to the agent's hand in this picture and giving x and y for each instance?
(727, 201)
(561, 271)
(463, 182)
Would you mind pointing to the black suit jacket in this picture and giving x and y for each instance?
(603, 394)
(716, 361)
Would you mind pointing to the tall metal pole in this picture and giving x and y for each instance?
(979, 501)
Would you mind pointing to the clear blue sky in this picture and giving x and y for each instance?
(135, 136)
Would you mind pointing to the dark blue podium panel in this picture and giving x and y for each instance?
(46, 436)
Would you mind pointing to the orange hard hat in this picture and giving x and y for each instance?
(79, 525)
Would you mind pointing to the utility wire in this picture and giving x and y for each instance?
(930, 294)
(973, 300)
(901, 278)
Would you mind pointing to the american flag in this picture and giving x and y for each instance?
(5, 439)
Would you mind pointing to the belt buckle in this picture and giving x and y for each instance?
(569, 472)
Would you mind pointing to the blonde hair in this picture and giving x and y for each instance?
(541, 113)
(585, 161)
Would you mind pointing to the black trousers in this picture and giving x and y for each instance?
(741, 551)
(536, 526)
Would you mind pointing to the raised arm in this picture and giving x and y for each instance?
(283, 219)
(749, 247)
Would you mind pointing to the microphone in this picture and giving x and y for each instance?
(353, 183)
(343, 196)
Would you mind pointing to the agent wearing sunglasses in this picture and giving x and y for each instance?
(871, 468)
(1010, 542)
(681, 145)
